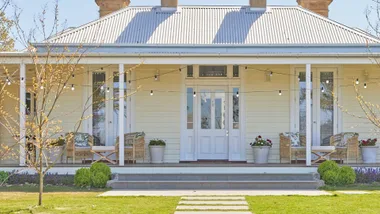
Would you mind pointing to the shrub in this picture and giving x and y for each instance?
(101, 168)
(327, 166)
(82, 177)
(346, 176)
(331, 177)
(3, 177)
(99, 180)
(157, 142)
(49, 178)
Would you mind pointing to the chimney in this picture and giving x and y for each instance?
(317, 6)
(262, 4)
(109, 6)
(169, 3)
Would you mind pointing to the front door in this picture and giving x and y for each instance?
(213, 123)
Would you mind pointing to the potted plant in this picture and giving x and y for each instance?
(55, 150)
(157, 150)
(261, 148)
(369, 150)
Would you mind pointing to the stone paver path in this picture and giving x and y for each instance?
(213, 205)
(353, 192)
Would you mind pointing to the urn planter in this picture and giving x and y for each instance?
(369, 154)
(157, 154)
(260, 154)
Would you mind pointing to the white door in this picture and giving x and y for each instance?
(105, 107)
(213, 123)
(324, 109)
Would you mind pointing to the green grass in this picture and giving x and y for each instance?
(85, 202)
(337, 204)
(34, 188)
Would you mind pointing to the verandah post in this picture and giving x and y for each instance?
(22, 134)
(308, 114)
(121, 114)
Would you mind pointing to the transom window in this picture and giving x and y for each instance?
(212, 71)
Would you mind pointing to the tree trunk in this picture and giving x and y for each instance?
(41, 189)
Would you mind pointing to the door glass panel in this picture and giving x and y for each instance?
(220, 109)
(98, 109)
(116, 106)
(302, 103)
(326, 108)
(190, 105)
(235, 108)
(205, 109)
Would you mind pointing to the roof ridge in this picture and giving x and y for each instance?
(336, 23)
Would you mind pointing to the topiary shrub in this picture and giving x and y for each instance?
(101, 167)
(331, 177)
(327, 166)
(99, 180)
(346, 176)
(82, 177)
(3, 177)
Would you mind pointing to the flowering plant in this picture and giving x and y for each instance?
(259, 141)
(369, 142)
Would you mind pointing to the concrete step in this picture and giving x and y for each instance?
(229, 208)
(215, 185)
(216, 177)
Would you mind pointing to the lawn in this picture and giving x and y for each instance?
(73, 200)
(339, 203)
(58, 201)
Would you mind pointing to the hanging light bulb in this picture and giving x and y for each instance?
(280, 92)
(246, 67)
(327, 81)
(155, 77)
(195, 94)
(129, 81)
(180, 69)
(237, 94)
(41, 87)
(357, 82)
(323, 90)
(9, 82)
(102, 87)
(299, 78)
(72, 87)
(22, 79)
(271, 73)
(64, 85)
(365, 85)
(151, 92)
(73, 75)
(108, 89)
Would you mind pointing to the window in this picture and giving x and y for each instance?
(190, 71)
(212, 71)
(236, 71)
(28, 103)
(235, 108)
(190, 108)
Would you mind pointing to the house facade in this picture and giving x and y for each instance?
(209, 79)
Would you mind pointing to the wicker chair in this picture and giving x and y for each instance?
(79, 145)
(134, 146)
(289, 152)
(347, 146)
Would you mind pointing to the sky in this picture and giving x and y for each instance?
(79, 12)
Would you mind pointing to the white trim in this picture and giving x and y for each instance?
(121, 114)
(242, 112)
(207, 60)
(133, 103)
(308, 114)
(22, 114)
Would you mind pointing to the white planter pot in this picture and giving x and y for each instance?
(261, 154)
(156, 154)
(369, 154)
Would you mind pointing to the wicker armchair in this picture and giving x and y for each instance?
(347, 146)
(289, 152)
(79, 145)
(134, 146)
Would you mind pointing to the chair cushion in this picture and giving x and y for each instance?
(294, 138)
(340, 140)
(81, 140)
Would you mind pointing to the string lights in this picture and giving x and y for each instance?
(357, 82)
(237, 94)
(151, 92)
(195, 94)
(280, 92)
(72, 87)
(365, 85)
(323, 90)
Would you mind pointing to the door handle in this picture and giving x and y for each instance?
(227, 132)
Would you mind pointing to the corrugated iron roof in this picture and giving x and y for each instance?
(208, 25)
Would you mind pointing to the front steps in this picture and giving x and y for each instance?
(204, 181)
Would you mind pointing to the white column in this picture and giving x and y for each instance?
(22, 114)
(308, 115)
(121, 114)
